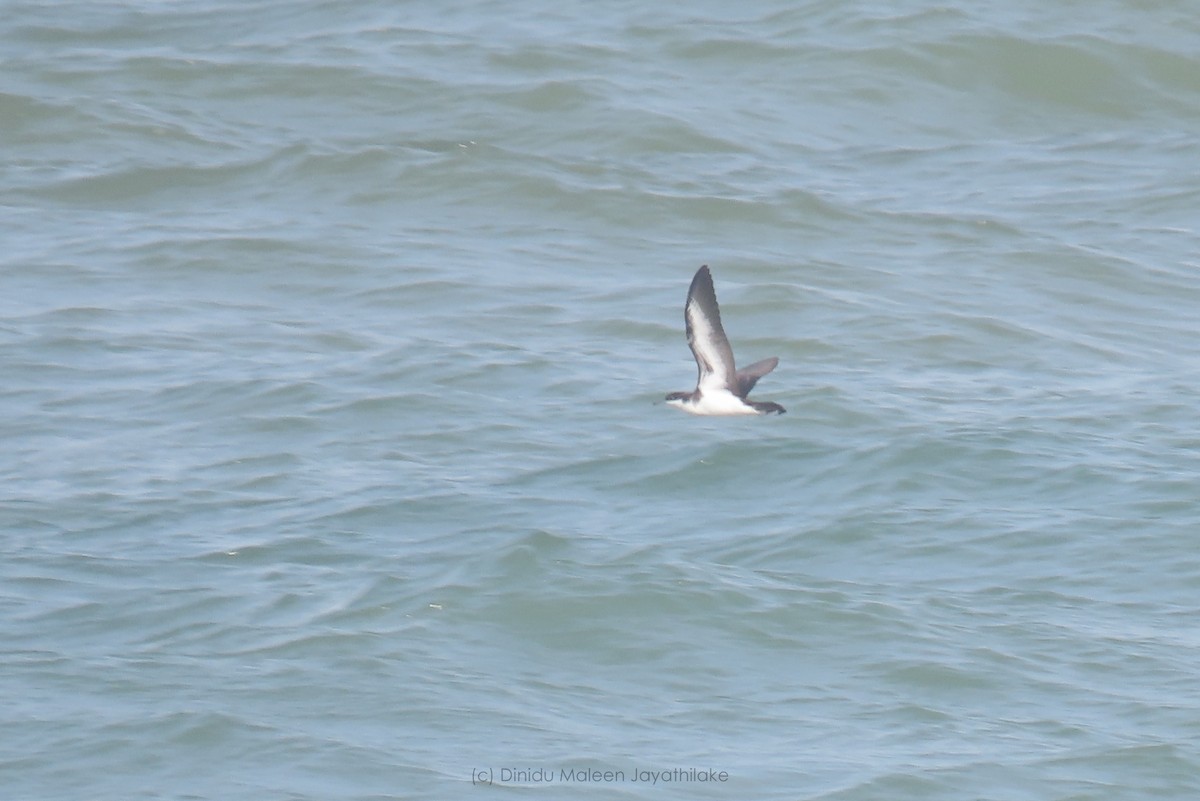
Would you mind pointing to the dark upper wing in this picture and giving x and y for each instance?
(747, 377)
(706, 337)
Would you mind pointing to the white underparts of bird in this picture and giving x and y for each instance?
(721, 388)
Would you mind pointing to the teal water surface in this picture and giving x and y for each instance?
(334, 340)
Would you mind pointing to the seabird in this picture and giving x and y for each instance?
(720, 387)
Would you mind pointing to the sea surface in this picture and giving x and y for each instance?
(333, 344)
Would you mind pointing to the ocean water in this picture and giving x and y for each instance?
(334, 338)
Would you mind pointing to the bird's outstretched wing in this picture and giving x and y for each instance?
(706, 337)
(747, 377)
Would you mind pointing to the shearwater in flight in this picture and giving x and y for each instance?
(720, 387)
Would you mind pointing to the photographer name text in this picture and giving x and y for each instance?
(594, 776)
